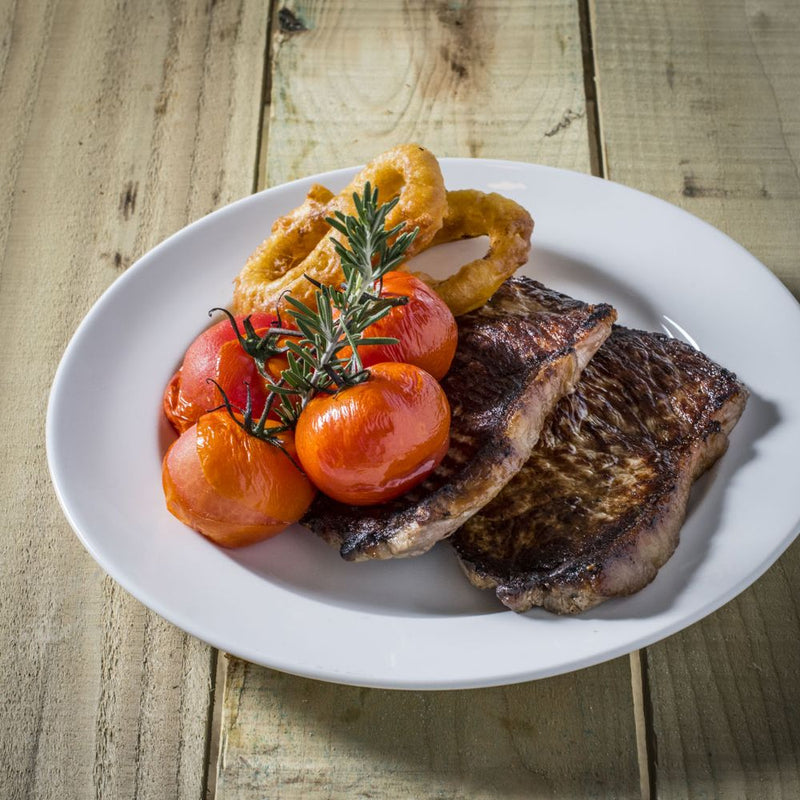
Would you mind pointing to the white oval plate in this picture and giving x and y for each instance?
(291, 603)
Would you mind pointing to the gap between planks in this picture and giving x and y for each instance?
(642, 706)
(590, 89)
(215, 725)
(643, 720)
(266, 88)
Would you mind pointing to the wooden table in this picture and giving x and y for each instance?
(122, 122)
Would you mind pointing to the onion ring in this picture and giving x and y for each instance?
(291, 239)
(410, 171)
(508, 225)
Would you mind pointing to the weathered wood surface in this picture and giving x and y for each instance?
(485, 79)
(699, 105)
(119, 124)
(481, 79)
(287, 737)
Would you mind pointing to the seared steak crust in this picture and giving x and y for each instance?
(516, 357)
(597, 509)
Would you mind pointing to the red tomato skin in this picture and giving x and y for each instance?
(191, 499)
(374, 441)
(215, 354)
(425, 327)
(231, 487)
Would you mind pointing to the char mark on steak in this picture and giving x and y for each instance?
(516, 357)
(597, 508)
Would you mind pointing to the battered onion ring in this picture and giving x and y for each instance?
(508, 225)
(410, 171)
(292, 238)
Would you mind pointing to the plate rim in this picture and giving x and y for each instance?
(130, 585)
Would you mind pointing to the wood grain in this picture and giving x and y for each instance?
(486, 79)
(287, 737)
(120, 123)
(492, 79)
(698, 104)
(725, 696)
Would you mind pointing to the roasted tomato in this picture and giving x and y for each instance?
(373, 441)
(215, 354)
(424, 327)
(232, 487)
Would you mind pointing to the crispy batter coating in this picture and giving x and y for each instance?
(292, 238)
(300, 243)
(508, 225)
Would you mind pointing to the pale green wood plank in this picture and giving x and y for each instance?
(698, 104)
(285, 737)
(492, 79)
(725, 696)
(488, 79)
(119, 124)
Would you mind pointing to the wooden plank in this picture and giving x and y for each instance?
(725, 696)
(497, 79)
(287, 737)
(487, 79)
(698, 104)
(120, 123)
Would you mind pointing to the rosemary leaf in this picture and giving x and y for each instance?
(376, 340)
(301, 353)
(367, 251)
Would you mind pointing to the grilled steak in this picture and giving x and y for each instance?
(598, 507)
(517, 356)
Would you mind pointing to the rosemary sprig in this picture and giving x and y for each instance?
(344, 313)
(313, 351)
(260, 348)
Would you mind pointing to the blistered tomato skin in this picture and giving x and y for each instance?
(425, 327)
(231, 487)
(374, 441)
(215, 355)
(195, 503)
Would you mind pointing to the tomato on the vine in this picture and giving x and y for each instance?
(424, 327)
(373, 441)
(232, 487)
(216, 355)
